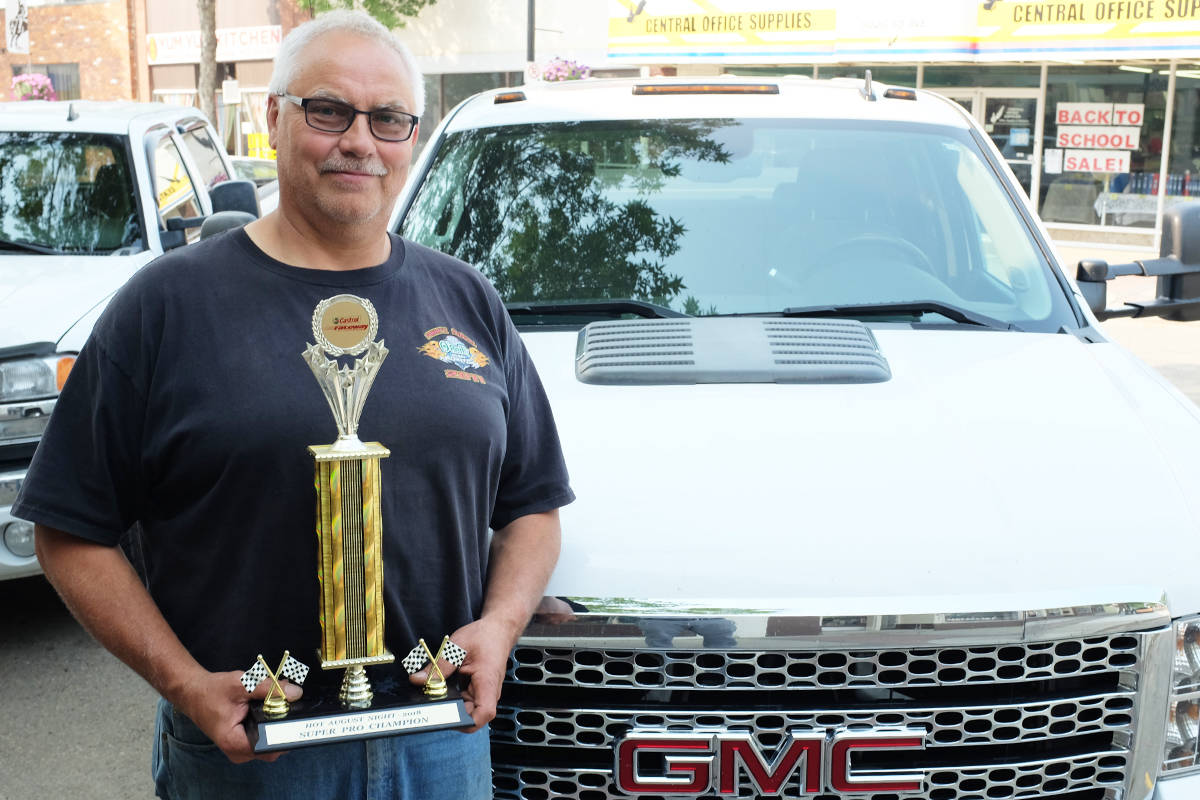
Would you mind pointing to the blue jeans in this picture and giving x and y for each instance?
(448, 764)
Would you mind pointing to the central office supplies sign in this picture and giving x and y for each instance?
(818, 31)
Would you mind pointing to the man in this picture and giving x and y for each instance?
(189, 412)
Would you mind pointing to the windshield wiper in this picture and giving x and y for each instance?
(593, 308)
(917, 307)
(5, 244)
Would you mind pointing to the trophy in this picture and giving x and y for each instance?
(349, 565)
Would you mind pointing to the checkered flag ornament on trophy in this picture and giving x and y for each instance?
(418, 657)
(293, 670)
(252, 677)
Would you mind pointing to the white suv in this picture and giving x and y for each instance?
(89, 193)
(846, 442)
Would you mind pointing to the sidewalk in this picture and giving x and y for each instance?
(1172, 348)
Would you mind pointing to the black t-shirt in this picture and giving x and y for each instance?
(191, 408)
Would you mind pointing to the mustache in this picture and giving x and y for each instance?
(342, 164)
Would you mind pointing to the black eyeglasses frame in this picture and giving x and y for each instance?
(304, 101)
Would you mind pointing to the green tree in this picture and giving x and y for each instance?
(391, 13)
(564, 211)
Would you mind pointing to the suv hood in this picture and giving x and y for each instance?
(42, 297)
(994, 471)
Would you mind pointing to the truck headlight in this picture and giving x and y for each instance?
(18, 538)
(33, 378)
(1183, 719)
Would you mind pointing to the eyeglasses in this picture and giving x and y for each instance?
(333, 116)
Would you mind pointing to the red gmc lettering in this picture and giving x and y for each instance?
(822, 761)
(769, 779)
(685, 774)
(843, 780)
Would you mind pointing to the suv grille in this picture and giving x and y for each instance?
(1051, 719)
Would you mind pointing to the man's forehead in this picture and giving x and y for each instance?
(396, 100)
(331, 66)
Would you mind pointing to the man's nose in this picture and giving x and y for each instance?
(357, 139)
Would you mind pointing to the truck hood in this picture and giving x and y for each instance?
(994, 471)
(42, 297)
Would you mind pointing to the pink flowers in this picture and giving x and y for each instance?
(561, 69)
(32, 86)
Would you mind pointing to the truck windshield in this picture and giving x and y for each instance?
(66, 192)
(724, 216)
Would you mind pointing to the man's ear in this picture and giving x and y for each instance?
(272, 118)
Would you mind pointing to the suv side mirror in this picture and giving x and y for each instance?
(235, 196)
(1177, 269)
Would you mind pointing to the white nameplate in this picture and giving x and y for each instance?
(364, 723)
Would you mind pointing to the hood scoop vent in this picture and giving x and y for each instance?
(729, 350)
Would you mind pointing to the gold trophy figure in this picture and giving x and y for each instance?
(349, 522)
(349, 569)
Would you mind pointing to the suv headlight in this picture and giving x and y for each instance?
(33, 378)
(1183, 718)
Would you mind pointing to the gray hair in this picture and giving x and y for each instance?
(288, 60)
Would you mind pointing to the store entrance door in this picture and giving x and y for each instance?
(1009, 116)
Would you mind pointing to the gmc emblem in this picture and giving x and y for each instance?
(696, 763)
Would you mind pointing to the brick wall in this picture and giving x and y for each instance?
(93, 35)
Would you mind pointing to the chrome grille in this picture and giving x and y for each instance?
(820, 669)
(971, 725)
(1034, 714)
(1086, 778)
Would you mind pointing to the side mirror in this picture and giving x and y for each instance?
(1177, 269)
(235, 196)
(1181, 242)
(172, 238)
(1092, 277)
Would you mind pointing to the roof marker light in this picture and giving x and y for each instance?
(867, 91)
(900, 94)
(509, 97)
(706, 88)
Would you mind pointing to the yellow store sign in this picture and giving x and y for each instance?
(1089, 29)
(705, 25)
(770, 31)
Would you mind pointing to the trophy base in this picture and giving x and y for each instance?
(325, 720)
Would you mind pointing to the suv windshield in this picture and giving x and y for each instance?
(66, 192)
(724, 216)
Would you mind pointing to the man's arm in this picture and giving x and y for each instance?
(101, 589)
(523, 555)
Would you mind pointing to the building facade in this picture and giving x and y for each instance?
(1095, 105)
(84, 47)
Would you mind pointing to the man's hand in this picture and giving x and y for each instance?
(217, 702)
(487, 646)
(523, 554)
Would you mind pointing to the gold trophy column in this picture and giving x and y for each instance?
(349, 522)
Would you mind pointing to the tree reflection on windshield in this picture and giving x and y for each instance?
(66, 192)
(562, 211)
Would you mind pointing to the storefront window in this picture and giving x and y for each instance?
(1103, 144)
(63, 77)
(1184, 162)
(980, 75)
(444, 92)
(900, 76)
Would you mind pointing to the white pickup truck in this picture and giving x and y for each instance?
(869, 505)
(89, 193)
